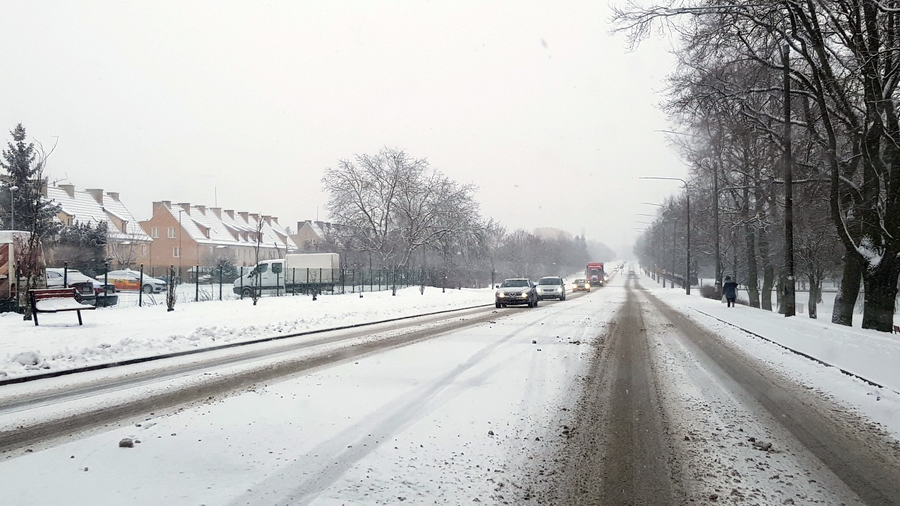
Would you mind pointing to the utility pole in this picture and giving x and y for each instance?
(790, 306)
(674, 239)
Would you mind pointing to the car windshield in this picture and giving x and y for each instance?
(550, 281)
(513, 283)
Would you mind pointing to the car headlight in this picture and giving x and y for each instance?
(587, 285)
(501, 294)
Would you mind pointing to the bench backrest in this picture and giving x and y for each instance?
(52, 293)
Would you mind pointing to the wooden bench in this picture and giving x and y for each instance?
(55, 300)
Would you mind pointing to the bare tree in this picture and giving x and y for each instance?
(843, 73)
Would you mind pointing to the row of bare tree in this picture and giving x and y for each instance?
(841, 59)
(396, 212)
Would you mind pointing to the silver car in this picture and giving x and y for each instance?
(551, 287)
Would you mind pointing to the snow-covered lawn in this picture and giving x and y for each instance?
(120, 333)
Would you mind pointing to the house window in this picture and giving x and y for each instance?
(171, 232)
(154, 232)
(176, 252)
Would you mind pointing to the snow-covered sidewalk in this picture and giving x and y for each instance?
(871, 355)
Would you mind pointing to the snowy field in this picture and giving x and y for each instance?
(451, 420)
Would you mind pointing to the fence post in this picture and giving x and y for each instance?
(141, 285)
(220, 282)
(196, 283)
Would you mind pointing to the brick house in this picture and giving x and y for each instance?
(126, 240)
(314, 235)
(186, 235)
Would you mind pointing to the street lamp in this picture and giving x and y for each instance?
(687, 199)
(12, 207)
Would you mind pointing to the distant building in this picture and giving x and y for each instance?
(126, 240)
(314, 235)
(186, 235)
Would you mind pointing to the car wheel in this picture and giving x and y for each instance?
(535, 303)
(147, 288)
(497, 304)
(246, 292)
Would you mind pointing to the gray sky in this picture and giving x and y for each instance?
(247, 102)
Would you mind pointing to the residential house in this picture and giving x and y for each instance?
(126, 240)
(185, 236)
(314, 235)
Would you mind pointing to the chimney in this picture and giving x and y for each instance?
(275, 219)
(268, 219)
(230, 213)
(255, 217)
(243, 215)
(167, 203)
(186, 206)
(202, 210)
(113, 195)
(97, 194)
(69, 189)
(217, 211)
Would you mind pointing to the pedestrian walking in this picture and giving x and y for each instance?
(729, 289)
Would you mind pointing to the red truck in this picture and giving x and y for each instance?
(595, 274)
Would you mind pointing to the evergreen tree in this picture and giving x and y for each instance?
(24, 165)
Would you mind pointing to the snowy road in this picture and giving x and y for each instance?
(607, 398)
(673, 414)
(42, 408)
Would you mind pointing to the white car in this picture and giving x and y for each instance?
(89, 289)
(56, 275)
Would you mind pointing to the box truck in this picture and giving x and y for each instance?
(295, 273)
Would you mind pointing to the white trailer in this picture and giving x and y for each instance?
(295, 273)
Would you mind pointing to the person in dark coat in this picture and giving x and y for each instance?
(729, 289)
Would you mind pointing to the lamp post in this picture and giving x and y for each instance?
(687, 200)
(12, 207)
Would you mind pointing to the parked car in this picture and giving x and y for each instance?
(551, 287)
(89, 289)
(516, 291)
(581, 285)
(127, 279)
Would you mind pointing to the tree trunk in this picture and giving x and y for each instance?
(768, 272)
(815, 291)
(779, 287)
(881, 294)
(752, 269)
(842, 314)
